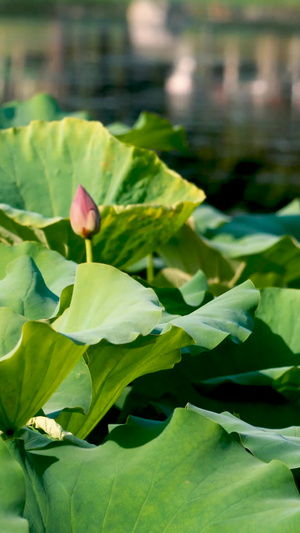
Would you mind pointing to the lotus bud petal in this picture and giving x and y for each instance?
(84, 214)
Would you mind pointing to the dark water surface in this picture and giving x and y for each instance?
(230, 76)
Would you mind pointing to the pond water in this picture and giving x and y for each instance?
(230, 76)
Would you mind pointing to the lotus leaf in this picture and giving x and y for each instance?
(189, 252)
(32, 371)
(57, 272)
(10, 329)
(268, 245)
(24, 291)
(152, 131)
(229, 314)
(75, 392)
(97, 312)
(266, 444)
(275, 342)
(143, 201)
(120, 485)
(149, 131)
(12, 494)
(40, 107)
(112, 368)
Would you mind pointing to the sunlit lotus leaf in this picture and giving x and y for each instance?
(43, 358)
(143, 202)
(108, 304)
(212, 483)
(114, 367)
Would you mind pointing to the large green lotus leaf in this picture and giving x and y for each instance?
(266, 444)
(40, 107)
(42, 165)
(275, 342)
(97, 312)
(108, 304)
(57, 272)
(230, 314)
(189, 252)
(74, 393)
(205, 479)
(112, 368)
(152, 131)
(24, 291)
(12, 494)
(32, 371)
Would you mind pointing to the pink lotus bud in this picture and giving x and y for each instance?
(84, 214)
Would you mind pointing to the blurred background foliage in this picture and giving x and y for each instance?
(229, 72)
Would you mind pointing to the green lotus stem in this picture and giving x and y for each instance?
(150, 269)
(89, 250)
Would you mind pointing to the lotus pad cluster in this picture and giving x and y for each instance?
(130, 404)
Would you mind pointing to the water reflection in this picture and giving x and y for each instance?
(231, 76)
